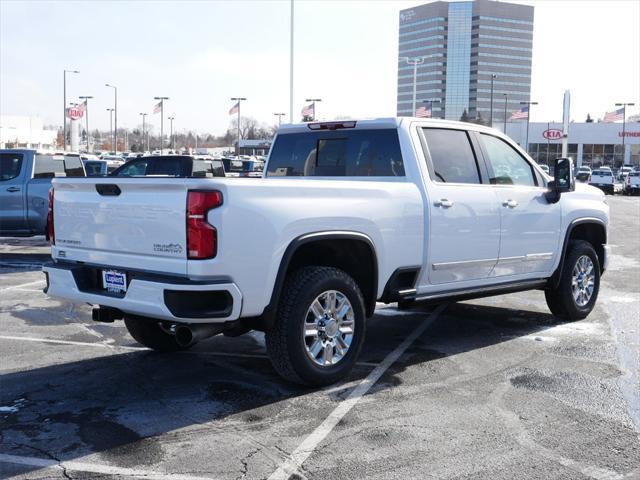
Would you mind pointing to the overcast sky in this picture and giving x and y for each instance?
(201, 53)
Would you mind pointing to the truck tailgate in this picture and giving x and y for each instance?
(136, 223)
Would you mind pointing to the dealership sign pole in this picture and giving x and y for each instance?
(565, 122)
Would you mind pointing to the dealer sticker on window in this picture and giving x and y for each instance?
(113, 281)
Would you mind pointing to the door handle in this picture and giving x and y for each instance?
(510, 203)
(444, 203)
(13, 189)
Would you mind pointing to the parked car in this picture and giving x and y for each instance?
(25, 180)
(172, 166)
(349, 213)
(632, 183)
(604, 180)
(583, 173)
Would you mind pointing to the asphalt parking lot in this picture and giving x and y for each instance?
(490, 389)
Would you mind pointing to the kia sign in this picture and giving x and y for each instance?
(552, 134)
(74, 113)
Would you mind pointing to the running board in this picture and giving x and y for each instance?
(479, 292)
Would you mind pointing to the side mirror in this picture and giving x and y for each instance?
(563, 179)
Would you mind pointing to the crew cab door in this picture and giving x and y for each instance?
(530, 225)
(12, 191)
(464, 216)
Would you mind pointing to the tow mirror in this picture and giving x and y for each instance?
(563, 179)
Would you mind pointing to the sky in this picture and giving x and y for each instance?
(201, 53)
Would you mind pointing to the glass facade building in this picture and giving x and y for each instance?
(461, 46)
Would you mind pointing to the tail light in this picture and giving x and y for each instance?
(50, 230)
(202, 238)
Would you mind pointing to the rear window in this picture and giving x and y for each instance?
(94, 168)
(634, 174)
(10, 165)
(356, 153)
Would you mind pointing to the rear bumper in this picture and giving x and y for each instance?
(150, 296)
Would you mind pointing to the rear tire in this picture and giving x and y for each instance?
(149, 333)
(571, 300)
(300, 330)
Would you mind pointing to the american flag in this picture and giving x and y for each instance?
(613, 116)
(234, 109)
(424, 111)
(308, 111)
(520, 114)
(157, 108)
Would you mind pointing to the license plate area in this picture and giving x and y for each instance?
(114, 281)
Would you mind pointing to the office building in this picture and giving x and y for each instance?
(459, 47)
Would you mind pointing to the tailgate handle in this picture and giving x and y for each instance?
(108, 189)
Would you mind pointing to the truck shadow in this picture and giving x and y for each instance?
(19, 254)
(120, 405)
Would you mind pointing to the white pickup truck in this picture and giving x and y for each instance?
(348, 213)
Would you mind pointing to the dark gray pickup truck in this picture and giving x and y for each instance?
(25, 180)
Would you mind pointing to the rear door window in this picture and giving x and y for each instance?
(10, 165)
(353, 153)
(452, 157)
(48, 166)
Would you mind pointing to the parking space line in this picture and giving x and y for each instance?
(14, 287)
(93, 468)
(126, 347)
(309, 444)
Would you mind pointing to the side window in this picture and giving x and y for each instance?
(10, 165)
(200, 169)
(452, 157)
(355, 153)
(506, 165)
(46, 166)
(217, 168)
(73, 166)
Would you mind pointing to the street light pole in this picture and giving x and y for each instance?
(143, 129)
(493, 76)
(313, 103)
(279, 115)
(86, 112)
(110, 110)
(162, 99)
(240, 99)
(64, 110)
(624, 122)
(415, 61)
(171, 119)
(528, 119)
(504, 129)
(290, 68)
(115, 109)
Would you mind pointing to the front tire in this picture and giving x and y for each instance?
(150, 333)
(577, 292)
(319, 328)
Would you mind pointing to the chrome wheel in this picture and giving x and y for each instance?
(583, 281)
(328, 328)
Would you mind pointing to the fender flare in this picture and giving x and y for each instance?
(268, 314)
(555, 278)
